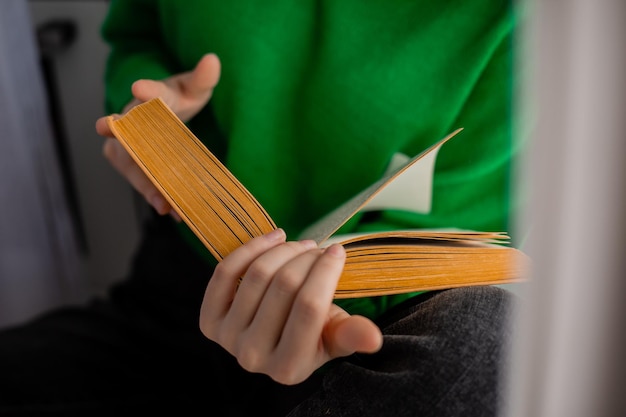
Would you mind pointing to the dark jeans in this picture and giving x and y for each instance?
(140, 352)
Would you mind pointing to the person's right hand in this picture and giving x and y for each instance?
(186, 94)
(269, 303)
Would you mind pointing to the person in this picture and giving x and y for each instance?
(307, 103)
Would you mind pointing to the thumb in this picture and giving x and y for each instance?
(185, 93)
(204, 77)
(353, 334)
(195, 84)
(144, 90)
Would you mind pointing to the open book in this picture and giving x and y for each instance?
(224, 215)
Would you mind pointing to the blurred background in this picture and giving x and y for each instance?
(70, 222)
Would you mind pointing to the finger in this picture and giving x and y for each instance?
(145, 90)
(222, 286)
(268, 322)
(190, 91)
(102, 127)
(259, 276)
(203, 78)
(304, 327)
(184, 93)
(117, 156)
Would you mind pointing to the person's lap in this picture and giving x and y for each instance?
(136, 353)
(444, 354)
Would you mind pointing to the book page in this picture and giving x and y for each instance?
(411, 191)
(327, 225)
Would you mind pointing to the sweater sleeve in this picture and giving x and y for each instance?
(132, 29)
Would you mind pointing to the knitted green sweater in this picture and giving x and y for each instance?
(316, 97)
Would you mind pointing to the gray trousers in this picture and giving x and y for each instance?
(139, 351)
(445, 356)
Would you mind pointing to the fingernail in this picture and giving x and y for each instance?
(276, 234)
(309, 243)
(336, 250)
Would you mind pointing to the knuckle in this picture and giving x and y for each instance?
(207, 328)
(285, 373)
(225, 338)
(308, 307)
(259, 272)
(223, 269)
(250, 358)
(287, 280)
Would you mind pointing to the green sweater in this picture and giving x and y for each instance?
(315, 97)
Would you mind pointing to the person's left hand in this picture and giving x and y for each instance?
(280, 319)
(186, 94)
